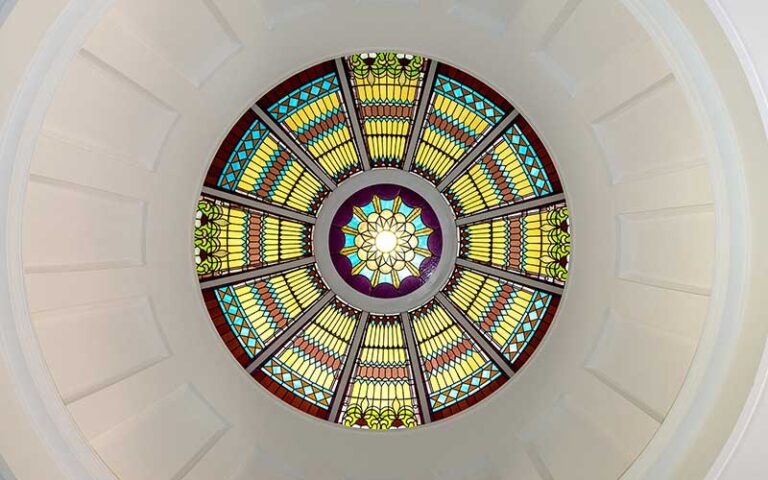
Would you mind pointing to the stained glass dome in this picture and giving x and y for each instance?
(382, 241)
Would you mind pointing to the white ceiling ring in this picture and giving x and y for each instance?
(282, 430)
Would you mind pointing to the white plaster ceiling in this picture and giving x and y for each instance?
(118, 163)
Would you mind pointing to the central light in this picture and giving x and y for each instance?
(386, 241)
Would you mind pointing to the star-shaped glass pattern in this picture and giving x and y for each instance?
(386, 241)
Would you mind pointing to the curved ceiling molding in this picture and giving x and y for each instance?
(137, 114)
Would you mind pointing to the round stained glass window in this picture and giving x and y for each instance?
(382, 241)
(385, 241)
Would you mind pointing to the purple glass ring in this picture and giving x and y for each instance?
(385, 241)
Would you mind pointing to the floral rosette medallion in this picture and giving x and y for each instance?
(385, 241)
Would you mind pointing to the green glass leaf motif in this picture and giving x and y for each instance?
(209, 254)
(379, 418)
(389, 64)
(560, 244)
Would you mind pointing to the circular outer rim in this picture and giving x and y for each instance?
(439, 276)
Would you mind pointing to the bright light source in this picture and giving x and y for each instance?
(386, 241)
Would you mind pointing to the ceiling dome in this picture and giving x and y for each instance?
(382, 241)
(113, 368)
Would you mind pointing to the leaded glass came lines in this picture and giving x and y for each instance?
(263, 168)
(389, 263)
(535, 243)
(511, 171)
(386, 88)
(381, 393)
(258, 217)
(315, 115)
(458, 117)
(230, 238)
(259, 310)
(455, 368)
(508, 315)
(309, 365)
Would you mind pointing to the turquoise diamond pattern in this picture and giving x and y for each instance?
(304, 95)
(469, 98)
(299, 386)
(531, 162)
(236, 318)
(526, 329)
(466, 388)
(246, 147)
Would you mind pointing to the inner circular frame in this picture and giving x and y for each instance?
(438, 277)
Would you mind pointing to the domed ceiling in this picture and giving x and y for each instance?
(382, 241)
